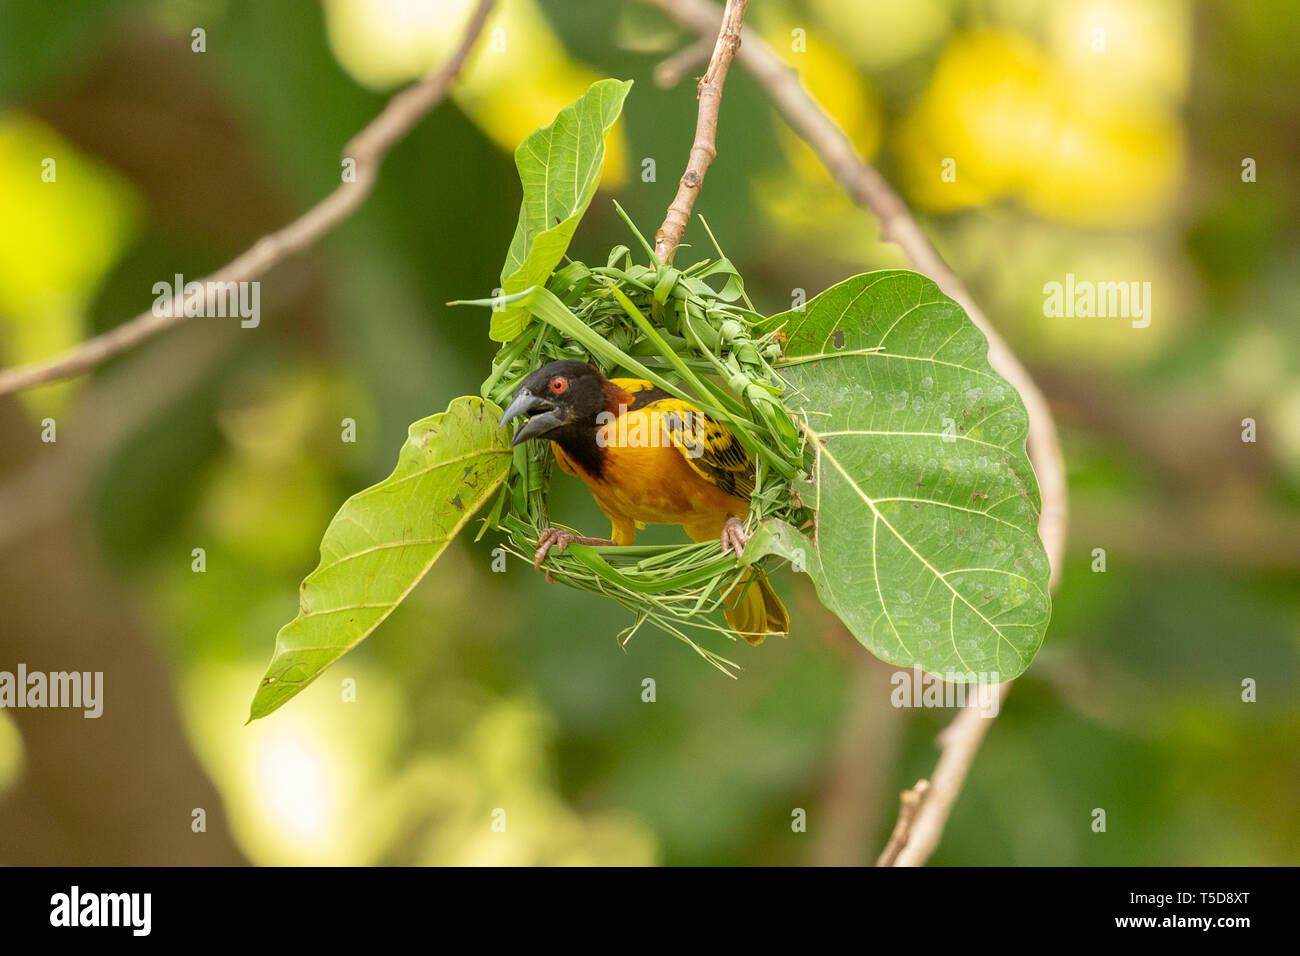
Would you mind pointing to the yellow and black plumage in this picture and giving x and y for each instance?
(648, 458)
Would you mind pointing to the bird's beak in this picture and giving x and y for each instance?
(542, 417)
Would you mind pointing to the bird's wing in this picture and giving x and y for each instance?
(642, 393)
(708, 446)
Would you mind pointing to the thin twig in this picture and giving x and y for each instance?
(962, 738)
(909, 801)
(705, 147)
(958, 744)
(671, 71)
(367, 149)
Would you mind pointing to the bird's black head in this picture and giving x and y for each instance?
(561, 401)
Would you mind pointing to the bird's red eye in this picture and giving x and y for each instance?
(559, 384)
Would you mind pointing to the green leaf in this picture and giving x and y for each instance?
(384, 540)
(926, 541)
(559, 167)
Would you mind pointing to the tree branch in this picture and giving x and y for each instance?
(958, 743)
(908, 803)
(367, 148)
(705, 147)
(672, 70)
(919, 829)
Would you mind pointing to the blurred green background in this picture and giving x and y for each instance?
(488, 691)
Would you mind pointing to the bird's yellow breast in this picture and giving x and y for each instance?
(646, 479)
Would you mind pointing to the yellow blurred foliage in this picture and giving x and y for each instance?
(805, 198)
(1146, 46)
(492, 802)
(986, 110)
(11, 752)
(320, 782)
(273, 480)
(60, 240)
(1006, 120)
(833, 82)
(271, 416)
(1016, 258)
(1111, 165)
(259, 512)
(1284, 409)
(878, 34)
(519, 77)
(298, 787)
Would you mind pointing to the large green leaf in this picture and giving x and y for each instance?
(559, 167)
(385, 538)
(926, 541)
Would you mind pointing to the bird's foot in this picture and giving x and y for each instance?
(733, 536)
(559, 540)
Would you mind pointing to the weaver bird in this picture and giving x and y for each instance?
(648, 458)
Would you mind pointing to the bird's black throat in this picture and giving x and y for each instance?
(578, 440)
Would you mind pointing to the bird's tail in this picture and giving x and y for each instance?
(758, 611)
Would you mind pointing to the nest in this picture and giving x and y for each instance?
(694, 333)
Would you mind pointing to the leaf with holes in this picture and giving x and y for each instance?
(926, 540)
(559, 167)
(384, 540)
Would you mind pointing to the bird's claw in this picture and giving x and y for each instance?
(551, 538)
(733, 536)
(559, 540)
